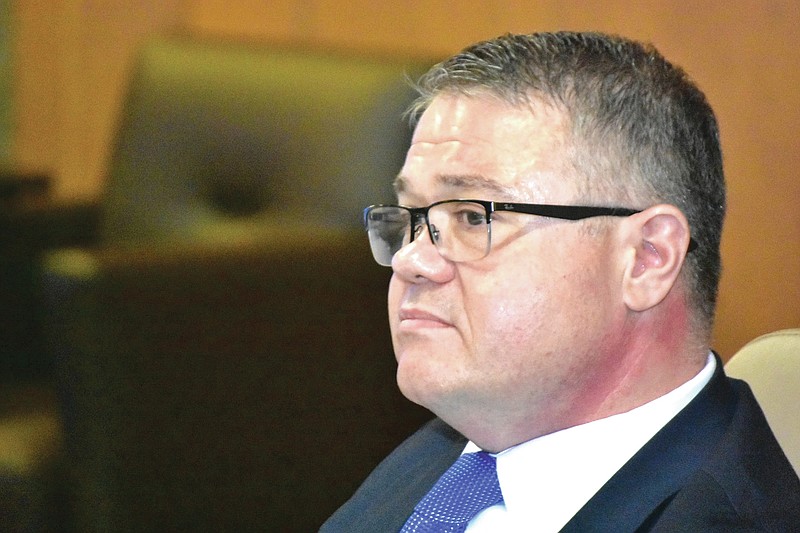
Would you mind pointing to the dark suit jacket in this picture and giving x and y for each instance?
(716, 466)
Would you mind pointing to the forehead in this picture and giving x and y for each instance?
(469, 143)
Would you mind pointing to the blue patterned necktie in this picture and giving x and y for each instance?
(467, 488)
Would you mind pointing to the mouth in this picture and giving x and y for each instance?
(413, 319)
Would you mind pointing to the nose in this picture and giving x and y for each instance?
(420, 260)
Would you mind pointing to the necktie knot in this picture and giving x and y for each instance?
(468, 487)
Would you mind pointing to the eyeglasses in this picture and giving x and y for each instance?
(461, 229)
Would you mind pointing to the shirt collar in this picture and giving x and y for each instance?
(545, 481)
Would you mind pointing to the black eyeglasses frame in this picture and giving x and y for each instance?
(562, 212)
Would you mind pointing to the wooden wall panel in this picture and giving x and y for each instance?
(418, 27)
(71, 60)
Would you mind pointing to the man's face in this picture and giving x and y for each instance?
(518, 335)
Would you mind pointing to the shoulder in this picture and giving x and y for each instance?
(745, 481)
(712, 504)
(716, 466)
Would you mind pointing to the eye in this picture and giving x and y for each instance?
(470, 216)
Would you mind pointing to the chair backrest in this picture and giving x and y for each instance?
(224, 354)
(218, 138)
(771, 365)
(245, 387)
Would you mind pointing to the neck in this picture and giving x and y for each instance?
(649, 355)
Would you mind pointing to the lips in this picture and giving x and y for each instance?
(413, 318)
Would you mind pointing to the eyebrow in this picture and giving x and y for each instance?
(458, 181)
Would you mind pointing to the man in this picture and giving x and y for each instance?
(557, 317)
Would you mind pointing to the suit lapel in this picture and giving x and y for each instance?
(388, 496)
(652, 476)
(429, 457)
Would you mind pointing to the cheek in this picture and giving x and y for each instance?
(393, 297)
(508, 313)
(393, 302)
(535, 310)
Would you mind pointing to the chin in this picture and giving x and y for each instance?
(409, 380)
(422, 383)
(414, 378)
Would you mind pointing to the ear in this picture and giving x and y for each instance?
(660, 236)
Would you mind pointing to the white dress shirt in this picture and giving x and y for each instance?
(547, 480)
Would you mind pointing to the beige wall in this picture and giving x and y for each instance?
(73, 56)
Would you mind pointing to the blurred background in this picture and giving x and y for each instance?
(66, 72)
(66, 65)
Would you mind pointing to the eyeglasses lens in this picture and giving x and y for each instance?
(461, 230)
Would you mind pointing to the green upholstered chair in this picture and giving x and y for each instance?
(223, 354)
(221, 139)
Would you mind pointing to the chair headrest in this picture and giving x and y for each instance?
(215, 133)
